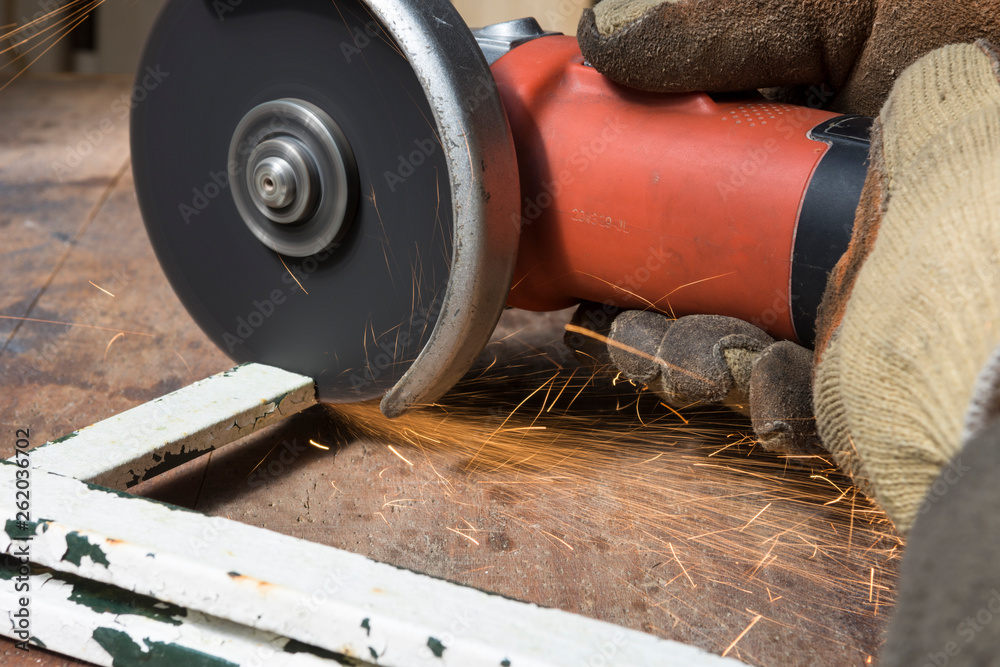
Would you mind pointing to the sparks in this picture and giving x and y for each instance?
(741, 635)
(110, 343)
(683, 569)
(291, 274)
(58, 29)
(666, 486)
(183, 361)
(747, 524)
(564, 542)
(828, 481)
(679, 415)
(458, 532)
(399, 455)
(101, 288)
(74, 324)
(642, 463)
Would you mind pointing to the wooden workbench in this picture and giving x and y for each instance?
(581, 498)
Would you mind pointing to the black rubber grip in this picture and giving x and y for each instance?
(826, 220)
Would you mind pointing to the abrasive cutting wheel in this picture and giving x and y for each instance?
(324, 184)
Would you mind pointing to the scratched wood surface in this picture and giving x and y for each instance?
(533, 479)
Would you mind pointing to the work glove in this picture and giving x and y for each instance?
(853, 48)
(707, 360)
(906, 369)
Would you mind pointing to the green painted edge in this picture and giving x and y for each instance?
(107, 599)
(57, 441)
(99, 597)
(295, 646)
(126, 653)
(231, 371)
(62, 439)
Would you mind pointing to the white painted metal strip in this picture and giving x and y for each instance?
(159, 435)
(315, 594)
(107, 626)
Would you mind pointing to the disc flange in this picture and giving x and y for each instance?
(294, 177)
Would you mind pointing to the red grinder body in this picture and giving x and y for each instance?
(680, 203)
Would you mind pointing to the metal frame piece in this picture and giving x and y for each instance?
(129, 580)
(155, 437)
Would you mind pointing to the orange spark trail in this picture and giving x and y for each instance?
(291, 274)
(101, 288)
(74, 324)
(112, 342)
(742, 634)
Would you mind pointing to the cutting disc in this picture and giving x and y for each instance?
(322, 183)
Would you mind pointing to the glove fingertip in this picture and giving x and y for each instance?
(781, 407)
(636, 337)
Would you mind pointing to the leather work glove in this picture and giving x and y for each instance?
(856, 47)
(906, 381)
(709, 359)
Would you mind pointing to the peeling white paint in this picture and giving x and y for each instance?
(66, 626)
(319, 595)
(206, 415)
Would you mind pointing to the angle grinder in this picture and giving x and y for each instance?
(355, 190)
